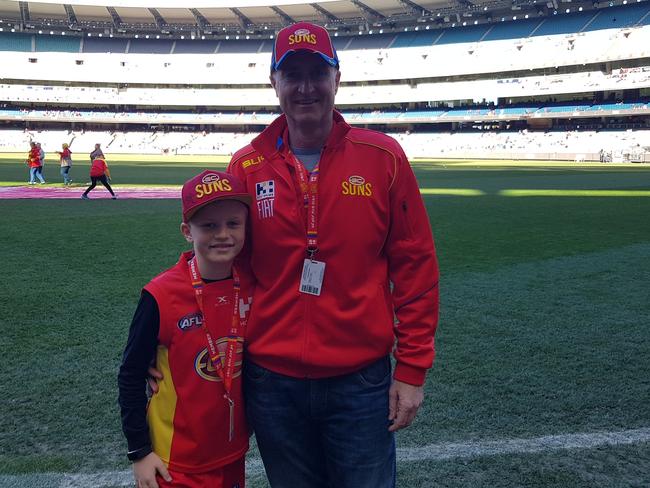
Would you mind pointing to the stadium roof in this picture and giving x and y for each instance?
(212, 17)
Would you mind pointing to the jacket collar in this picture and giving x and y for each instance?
(274, 138)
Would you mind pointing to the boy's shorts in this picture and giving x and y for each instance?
(228, 476)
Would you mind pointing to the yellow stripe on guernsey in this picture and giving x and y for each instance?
(162, 407)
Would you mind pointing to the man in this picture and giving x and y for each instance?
(336, 218)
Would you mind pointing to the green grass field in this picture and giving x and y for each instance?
(544, 330)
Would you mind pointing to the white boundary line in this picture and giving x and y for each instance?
(432, 452)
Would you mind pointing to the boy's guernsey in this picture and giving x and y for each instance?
(181, 416)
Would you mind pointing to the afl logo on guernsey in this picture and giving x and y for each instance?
(356, 186)
(203, 365)
(190, 321)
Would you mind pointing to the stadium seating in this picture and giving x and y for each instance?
(488, 144)
(57, 44)
(15, 42)
(456, 70)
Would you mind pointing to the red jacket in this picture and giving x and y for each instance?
(34, 158)
(373, 229)
(189, 417)
(98, 168)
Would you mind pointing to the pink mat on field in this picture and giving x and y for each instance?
(36, 191)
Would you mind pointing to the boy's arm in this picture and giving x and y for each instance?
(139, 351)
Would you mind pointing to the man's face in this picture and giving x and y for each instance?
(306, 85)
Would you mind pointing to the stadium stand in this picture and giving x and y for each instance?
(143, 46)
(57, 44)
(447, 92)
(473, 33)
(104, 45)
(15, 42)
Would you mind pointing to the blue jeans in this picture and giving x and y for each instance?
(33, 172)
(324, 433)
(64, 172)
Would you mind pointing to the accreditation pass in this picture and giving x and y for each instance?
(311, 281)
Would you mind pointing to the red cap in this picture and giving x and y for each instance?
(303, 36)
(208, 187)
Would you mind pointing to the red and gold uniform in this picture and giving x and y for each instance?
(188, 419)
(372, 230)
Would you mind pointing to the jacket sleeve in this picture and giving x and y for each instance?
(413, 271)
(139, 352)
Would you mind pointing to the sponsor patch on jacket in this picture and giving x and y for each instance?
(356, 186)
(190, 321)
(252, 162)
(265, 189)
(265, 196)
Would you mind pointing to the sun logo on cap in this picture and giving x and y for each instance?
(302, 36)
(210, 177)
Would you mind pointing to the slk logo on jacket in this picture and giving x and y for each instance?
(265, 196)
(190, 321)
(356, 186)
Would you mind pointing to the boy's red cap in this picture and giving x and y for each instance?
(208, 187)
(303, 36)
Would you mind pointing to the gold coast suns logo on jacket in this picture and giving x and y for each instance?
(356, 186)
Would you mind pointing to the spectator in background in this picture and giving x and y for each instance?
(99, 172)
(66, 163)
(96, 152)
(41, 157)
(33, 161)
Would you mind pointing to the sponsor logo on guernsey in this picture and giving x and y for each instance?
(211, 183)
(356, 186)
(252, 162)
(244, 307)
(203, 365)
(265, 196)
(190, 321)
(222, 300)
(302, 35)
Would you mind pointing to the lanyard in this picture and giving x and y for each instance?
(309, 189)
(224, 365)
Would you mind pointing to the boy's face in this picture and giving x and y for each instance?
(217, 232)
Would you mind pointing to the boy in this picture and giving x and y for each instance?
(192, 319)
(99, 172)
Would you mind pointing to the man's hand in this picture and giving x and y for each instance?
(403, 403)
(154, 377)
(144, 471)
